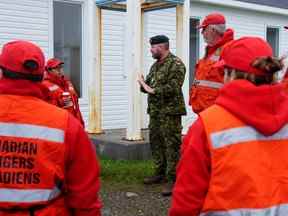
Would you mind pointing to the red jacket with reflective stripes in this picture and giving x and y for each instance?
(43, 158)
(263, 108)
(56, 86)
(203, 96)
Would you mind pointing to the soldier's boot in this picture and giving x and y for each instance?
(167, 189)
(156, 179)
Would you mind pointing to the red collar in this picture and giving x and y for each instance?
(23, 88)
(228, 36)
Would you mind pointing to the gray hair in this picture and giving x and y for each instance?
(220, 28)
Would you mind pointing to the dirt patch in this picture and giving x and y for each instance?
(133, 200)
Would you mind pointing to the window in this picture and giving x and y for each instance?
(272, 37)
(68, 39)
(194, 48)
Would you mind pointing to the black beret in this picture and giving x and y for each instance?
(158, 39)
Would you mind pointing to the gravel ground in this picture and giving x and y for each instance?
(133, 200)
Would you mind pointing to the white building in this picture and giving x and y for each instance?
(67, 29)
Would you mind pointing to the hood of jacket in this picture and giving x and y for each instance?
(264, 107)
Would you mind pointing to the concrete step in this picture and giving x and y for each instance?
(112, 144)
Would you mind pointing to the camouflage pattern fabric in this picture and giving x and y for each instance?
(166, 78)
(165, 141)
(165, 108)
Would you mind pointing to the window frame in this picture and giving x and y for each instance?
(198, 45)
(279, 37)
(84, 44)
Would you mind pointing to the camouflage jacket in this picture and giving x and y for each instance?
(166, 78)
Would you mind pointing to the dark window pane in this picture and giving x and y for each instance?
(194, 48)
(272, 36)
(68, 40)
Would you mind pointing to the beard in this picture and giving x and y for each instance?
(156, 56)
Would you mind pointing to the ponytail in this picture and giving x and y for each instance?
(268, 64)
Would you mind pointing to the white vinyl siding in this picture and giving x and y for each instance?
(25, 20)
(114, 79)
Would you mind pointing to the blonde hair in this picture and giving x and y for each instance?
(268, 64)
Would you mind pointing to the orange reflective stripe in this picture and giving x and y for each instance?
(278, 210)
(28, 195)
(244, 135)
(31, 131)
(208, 83)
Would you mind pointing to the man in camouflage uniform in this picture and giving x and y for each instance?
(165, 107)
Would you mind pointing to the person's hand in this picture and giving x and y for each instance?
(140, 79)
(147, 88)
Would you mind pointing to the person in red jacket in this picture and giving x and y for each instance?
(234, 157)
(208, 80)
(62, 92)
(44, 150)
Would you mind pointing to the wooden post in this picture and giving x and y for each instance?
(95, 84)
(182, 46)
(133, 65)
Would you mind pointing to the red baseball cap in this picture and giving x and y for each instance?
(16, 56)
(241, 53)
(53, 63)
(212, 19)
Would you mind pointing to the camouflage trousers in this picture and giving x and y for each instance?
(165, 141)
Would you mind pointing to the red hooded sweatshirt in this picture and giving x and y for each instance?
(263, 107)
(82, 184)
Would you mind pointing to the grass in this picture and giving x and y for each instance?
(124, 171)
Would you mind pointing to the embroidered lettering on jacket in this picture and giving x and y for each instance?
(17, 162)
